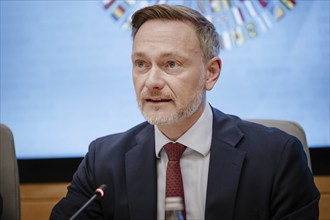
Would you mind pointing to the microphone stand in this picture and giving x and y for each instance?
(99, 192)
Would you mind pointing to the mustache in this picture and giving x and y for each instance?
(156, 94)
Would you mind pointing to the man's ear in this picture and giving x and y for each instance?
(213, 72)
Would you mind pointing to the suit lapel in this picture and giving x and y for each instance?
(141, 176)
(224, 172)
(225, 168)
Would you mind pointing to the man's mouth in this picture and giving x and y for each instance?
(157, 100)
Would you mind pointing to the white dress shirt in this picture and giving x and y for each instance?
(194, 165)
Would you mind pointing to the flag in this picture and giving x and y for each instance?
(263, 3)
(290, 4)
(251, 30)
(226, 4)
(277, 12)
(237, 15)
(266, 19)
(250, 8)
(236, 20)
(237, 34)
(118, 12)
(108, 3)
(225, 42)
(261, 24)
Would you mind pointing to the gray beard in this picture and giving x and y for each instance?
(181, 114)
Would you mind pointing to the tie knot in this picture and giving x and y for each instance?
(174, 151)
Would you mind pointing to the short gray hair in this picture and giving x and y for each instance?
(205, 30)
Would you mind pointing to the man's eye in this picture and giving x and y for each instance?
(140, 64)
(172, 64)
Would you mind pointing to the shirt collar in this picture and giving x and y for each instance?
(198, 138)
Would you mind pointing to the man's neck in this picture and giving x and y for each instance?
(176, 130)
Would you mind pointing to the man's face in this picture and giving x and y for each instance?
(168, 71)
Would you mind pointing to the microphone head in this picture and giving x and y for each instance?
(100, 191)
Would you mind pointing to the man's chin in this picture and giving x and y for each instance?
(161, 120)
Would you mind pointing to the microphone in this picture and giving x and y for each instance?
(99, 193)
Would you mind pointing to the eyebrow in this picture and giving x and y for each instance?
(163, 55)
(138, 54)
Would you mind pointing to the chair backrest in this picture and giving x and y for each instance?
(290, 127)
(9, 177)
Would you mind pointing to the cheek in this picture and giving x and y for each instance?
(138, 84)
(193, 89)
(185, 92)
(184, 87)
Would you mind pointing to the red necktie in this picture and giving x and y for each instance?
(174, 184)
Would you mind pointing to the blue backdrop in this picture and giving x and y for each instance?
(66, 69)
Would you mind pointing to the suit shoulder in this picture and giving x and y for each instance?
(246, 127)
(260, 138)
(251, 132)
(250, 127)
(122, 138)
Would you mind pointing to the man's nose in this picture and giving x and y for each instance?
(155, 79)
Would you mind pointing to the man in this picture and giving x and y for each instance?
(231, 169)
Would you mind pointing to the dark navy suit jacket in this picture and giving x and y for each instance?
(254, 173)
